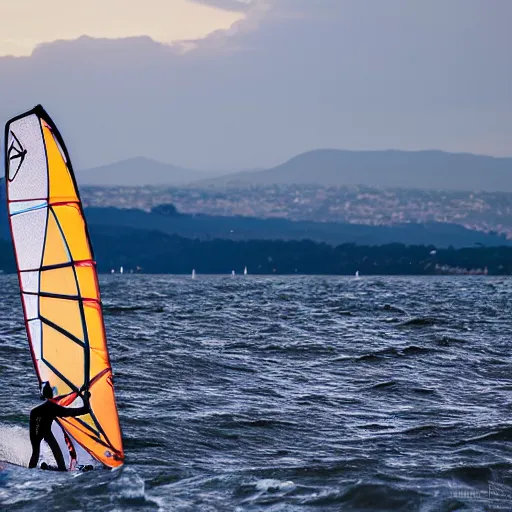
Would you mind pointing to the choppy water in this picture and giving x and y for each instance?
(297, 393)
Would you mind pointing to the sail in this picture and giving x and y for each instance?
(59, 287)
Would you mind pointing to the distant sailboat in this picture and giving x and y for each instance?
(121, 270)
(193, 273)
(357, 274)
(232, 273)
(245, 271)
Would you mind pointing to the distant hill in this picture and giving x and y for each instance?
(139, 171)
(155, 252)
(387, 169)
(206, 227)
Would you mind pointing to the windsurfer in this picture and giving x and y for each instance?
(41, 419)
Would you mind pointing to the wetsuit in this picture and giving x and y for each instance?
(41, 419)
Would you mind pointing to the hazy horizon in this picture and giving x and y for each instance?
(265, 80)
(291, 157)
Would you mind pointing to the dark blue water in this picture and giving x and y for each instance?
(284, 394)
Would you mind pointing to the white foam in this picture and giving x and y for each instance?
(128, 484)
(269, 484)
(15, 445)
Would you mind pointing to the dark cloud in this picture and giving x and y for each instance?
(295, 75)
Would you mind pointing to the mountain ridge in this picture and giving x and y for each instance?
(137, 171)
(423, 169)
(392, 168)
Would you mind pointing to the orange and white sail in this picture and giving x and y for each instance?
(59, 287)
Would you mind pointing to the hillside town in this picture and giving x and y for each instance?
(482, 211)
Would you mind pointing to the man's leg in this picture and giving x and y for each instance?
(35, 439)
(54, 446)
(36, 447)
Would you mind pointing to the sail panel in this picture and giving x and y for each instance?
(60, 384)
(28, 231)
(64, 313)
(56, 250)
(30, 281)
(62, 189)
(87, 281)
(105, 383)
(27, 176)
(72, 225)
(60, 293)
(30, 304)
(34, 335)
(60, 352)
(97, 342)
(60, 281)
(25, 206)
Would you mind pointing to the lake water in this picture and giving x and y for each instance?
(286, 394)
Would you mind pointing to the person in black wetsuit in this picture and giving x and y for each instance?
(41, 419)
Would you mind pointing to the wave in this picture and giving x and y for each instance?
(385, 385)
(298, 348)
(8, 348)
(231, 421)
(470, 474)
(366, 496)
(393, 384)
(373, 427)
(426, 321)
(272, 485)
(446, 341)
(391, 352)
(424, 391)
(380, 354)
(428, 430)
(263, 423)
(13, 330)
(394, 309)
(504, 434)
(414, 349)
(133, 443)
(119, 310)
(343, 312)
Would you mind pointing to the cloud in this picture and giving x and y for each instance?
(228, 5)
(293, 75)
(25, 24)
(231, 38)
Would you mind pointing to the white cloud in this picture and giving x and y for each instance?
(25, 24)
(228, 5)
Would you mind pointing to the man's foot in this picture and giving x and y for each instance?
(48, 467)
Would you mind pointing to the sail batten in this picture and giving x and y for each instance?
(59, 287)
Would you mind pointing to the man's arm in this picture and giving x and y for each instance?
(67, 412)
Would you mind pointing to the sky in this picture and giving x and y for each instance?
(238, 84)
